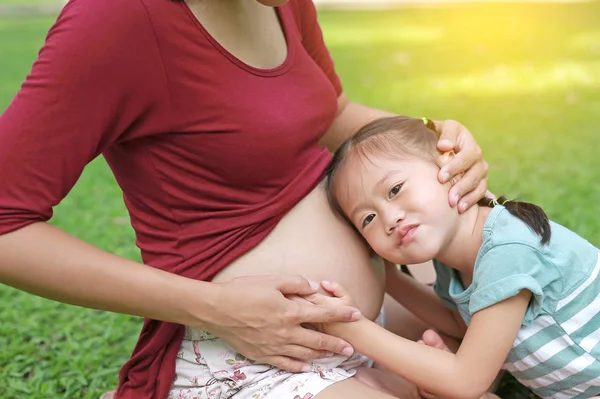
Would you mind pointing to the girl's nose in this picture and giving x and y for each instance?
(393, 219)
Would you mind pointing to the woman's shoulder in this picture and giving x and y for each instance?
(95, 20)
(107, 34)
(304, 13)
(300, 5)
(110, 11)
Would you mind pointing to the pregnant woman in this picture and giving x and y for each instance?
(216, 118)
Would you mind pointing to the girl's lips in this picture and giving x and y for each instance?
(409, 236)
(405, 235)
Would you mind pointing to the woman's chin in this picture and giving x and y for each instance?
(272, 3)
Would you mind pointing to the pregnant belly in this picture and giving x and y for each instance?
(312, 242)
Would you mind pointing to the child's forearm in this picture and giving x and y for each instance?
(423, 302)
(434, 370)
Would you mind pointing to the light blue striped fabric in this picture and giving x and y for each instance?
(557, 351)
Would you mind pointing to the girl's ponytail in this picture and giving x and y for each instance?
(532, 215)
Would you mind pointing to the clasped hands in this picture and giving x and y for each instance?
(336, 296)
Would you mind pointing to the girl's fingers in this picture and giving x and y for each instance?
(334, 288)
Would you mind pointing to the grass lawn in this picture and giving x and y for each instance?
(525, 78)
(29, 2)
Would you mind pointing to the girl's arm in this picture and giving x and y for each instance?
(423, 302)
(466, 374)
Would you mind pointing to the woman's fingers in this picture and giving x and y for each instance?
(469, 190)
(449, 131)
(286, 363)
(323, 342)
(471, 186)
(266, 325)
(468, 165)
(310, 345)
(290, 285)
(303, 300)
(326, 314)
(490, 195)
(426, 395)
(467, 156)
(304, 353)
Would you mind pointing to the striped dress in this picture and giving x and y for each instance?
(557, 351)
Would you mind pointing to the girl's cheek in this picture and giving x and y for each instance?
(369, 240)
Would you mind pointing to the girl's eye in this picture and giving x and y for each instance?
(368, 220)
(394, 190)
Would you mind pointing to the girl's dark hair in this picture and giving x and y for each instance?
(532, 215)
(399, 137)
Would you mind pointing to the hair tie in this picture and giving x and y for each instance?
(429, 124)
(496, 203)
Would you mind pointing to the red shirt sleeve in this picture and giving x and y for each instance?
(312, 40)
(97, 80)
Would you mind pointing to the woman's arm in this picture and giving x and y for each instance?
(469, 160)
(422, 301)
(43, 260)
(466, 374)
(350, 117)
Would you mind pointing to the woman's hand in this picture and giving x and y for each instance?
(255, 317)
(472, 185)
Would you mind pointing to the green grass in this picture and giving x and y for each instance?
(525, 79)
(29, 2)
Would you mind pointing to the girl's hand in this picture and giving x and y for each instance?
(472, 185)
(339, 296)
(254, 316)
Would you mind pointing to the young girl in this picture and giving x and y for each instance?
(524, 288)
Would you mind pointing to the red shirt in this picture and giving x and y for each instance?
(210, 153)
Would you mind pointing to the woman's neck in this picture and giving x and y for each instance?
(461, 252)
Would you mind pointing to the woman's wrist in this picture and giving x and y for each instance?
(198, 303)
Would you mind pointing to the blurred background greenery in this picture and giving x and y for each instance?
(524, 77)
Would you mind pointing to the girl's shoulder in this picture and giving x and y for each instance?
(502, 228)
(511, 248)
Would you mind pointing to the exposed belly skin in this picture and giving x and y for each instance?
(312, 242)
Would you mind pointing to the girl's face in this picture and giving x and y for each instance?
(398, 205)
